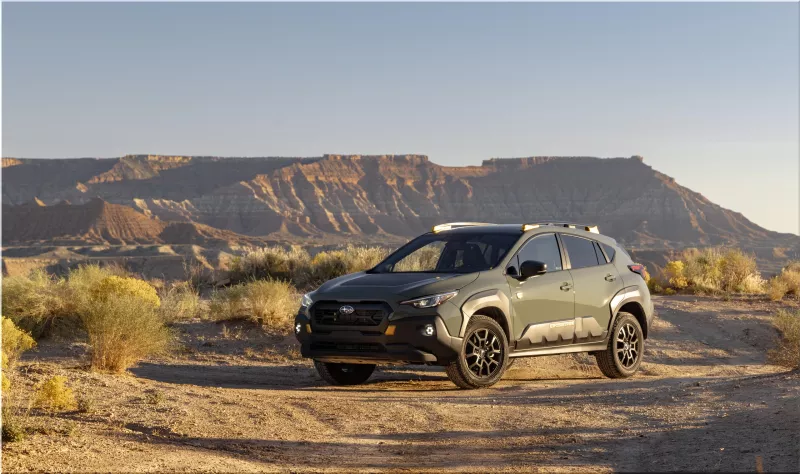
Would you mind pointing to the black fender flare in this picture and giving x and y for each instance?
(630, 294)
(486, 299)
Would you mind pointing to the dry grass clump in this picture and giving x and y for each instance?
(34, 301)
(271, 303)
(335, 263)
(271, 262)
(713, 270)
(296, 265)
(54, 395)
(14, 342)
(787, 350)
(787, 282)
(179, 302)
(424, 259)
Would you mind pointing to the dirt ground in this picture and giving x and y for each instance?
(236, 400)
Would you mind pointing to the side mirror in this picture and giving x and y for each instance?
(531, 268)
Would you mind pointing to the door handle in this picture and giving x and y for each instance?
(610, 277)
(566, 286)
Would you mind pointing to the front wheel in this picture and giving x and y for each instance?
(344, 374)
(483, 357)
(623, 356)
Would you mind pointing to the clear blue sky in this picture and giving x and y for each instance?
(707, 93)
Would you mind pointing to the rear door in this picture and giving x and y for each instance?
(542, 299)
(595, 281)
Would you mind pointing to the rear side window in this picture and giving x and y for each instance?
(581, 251)
(610, 252)
(543, 248)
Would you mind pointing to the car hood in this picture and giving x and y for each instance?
(392, 286)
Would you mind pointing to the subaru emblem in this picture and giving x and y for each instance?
(346, 309)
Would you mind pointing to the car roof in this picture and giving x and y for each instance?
(516, 229)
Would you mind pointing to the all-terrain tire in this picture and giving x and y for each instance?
(625, 341)
(485, 349)
(344, 374)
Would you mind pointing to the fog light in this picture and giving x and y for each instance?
(298, 328)
(428, 330)
(390, 330)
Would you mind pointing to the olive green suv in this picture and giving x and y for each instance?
(472, 297)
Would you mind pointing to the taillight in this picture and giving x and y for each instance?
(637, 268)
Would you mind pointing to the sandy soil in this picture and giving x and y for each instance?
(235, 399)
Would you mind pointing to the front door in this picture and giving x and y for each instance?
(543, 305)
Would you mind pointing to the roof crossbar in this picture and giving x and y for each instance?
(570, 225)
(455, 225)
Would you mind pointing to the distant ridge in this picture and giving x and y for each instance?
(367, 198)
(99, 222)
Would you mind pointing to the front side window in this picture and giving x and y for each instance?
(542, 248)
(449, 253)
(581, 251)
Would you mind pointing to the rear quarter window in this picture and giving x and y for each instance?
(610, 251)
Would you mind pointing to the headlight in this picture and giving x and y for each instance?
(430, 301)
(305, 301)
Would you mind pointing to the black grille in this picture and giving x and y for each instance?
(347, 347)
(363, 314)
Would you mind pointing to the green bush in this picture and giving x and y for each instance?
(787, 350)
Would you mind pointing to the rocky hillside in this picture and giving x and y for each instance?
(99, 222)
(374, 198)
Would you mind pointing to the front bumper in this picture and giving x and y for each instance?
(371, 345)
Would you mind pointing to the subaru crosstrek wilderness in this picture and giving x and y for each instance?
(470, 297)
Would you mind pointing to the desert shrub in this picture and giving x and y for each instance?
(34, 301)
(674, 271)
(423, 259)
(115, 287)
(123, 328)
(82, 281)
(787, 350)
(271, 262)
(15, 342)
(53, 395)
(271, 303)
(714, 270)
(179, 302)
(787, 282)
(328, 265)
(335, 263)
(739, 272)
(229, 303)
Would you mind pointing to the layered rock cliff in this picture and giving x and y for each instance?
(390, 197)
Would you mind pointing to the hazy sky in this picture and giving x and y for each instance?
(707, 93)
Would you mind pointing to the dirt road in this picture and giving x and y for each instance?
(705, 400)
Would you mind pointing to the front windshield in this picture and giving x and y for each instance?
(448, 253)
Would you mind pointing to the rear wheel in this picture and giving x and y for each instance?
(623, 356)
(483, 357)
(344, 374)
